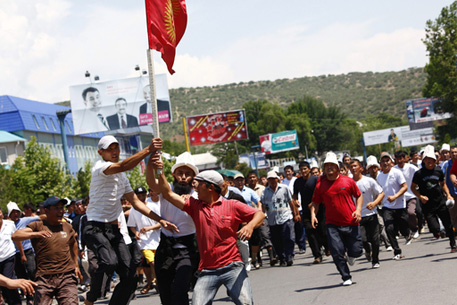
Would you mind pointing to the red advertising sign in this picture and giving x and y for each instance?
(217, 127)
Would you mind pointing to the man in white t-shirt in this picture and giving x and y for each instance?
(176, 258)
(408, 171)
(102, 235)
(372, 196)
(395, 215)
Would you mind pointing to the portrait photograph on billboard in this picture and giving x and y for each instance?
(118, 104)
(217, 127)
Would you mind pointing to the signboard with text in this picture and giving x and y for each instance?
(217, 127)
(273, 143)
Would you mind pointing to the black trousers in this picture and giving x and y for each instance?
(394, 220)
(112, 254)
(369, 227)
(27, 270)
(174, 268)
(442, 213)
(317, 238)
(7, 269)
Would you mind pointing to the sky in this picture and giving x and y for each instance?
(46, 46)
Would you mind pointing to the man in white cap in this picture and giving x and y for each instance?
(429, 186)
(176, 256)
(445, 154)
(336, 192)
(217, 220)
(395, 214)
(373, 166)
(281, 211)
(101, 233)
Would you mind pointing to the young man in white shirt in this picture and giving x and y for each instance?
(102, 235)
(395, 215)
(372, 196)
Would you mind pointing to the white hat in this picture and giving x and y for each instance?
(429, 152)
(106, 141)
(445, 147)
(210, 176)
(372, 161)
(386, 154)
(239, 175)
(12, 206)
(272, 174)
(331, 158)
(185, 159)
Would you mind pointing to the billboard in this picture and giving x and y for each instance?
(258, 161)
(118, 104)
(273, 143)
(418, 137)
(398, 135)
(425, 110)
(217, 127)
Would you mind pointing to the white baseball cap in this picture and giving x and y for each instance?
(106, 141)
(185, 159)
(331, 158)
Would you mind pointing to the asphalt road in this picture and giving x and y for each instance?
(427, 275)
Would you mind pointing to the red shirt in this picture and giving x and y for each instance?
(337, 197)
(453, 168)
(216, 228)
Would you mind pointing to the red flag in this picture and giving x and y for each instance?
(166, 21)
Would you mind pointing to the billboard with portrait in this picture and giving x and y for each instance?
(278, 142)
(425, 110)
(118, 104)
(217, 127)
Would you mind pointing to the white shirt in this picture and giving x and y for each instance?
(7, 248)
(370, 190)
(123, 228)
(150, 239)
(290, 184)
(391, 184)
(105, 193)
(408, 171)
(176, 216)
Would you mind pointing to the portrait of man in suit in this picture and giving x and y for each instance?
(163, 106)
(121, 119)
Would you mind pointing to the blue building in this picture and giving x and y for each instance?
(21, 119)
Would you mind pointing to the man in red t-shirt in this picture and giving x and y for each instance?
(342, 215)
(216, 221)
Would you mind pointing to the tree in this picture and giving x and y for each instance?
(82, 183)
(441, 43)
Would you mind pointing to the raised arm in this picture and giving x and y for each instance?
(132, 161)
(27, 233)
(165, 189)
(150, 173)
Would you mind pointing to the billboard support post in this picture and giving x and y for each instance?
(255, 158)
(61, 116)
(186, 136)
(152, 86)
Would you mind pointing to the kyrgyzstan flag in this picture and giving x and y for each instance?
(166, 21)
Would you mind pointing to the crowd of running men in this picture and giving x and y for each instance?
(204, 230)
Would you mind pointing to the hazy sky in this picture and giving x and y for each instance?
(47, 45)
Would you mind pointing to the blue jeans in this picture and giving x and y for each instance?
(233, 276)
(283, 239)
(343, 239)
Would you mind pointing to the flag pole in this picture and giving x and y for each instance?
(152, 87)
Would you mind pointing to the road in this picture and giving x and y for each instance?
(425, 276)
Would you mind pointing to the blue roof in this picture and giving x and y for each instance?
(22, 114)
(6, 137)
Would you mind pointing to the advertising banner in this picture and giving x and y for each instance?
(384, 135)
(273, 143)
(217, 127)
(418, 137)
(425, 110)
(258, 161)
(118, 104)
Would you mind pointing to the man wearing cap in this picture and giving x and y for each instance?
(336, 192)
(102, 235)
(217, 220)
(56, 251)
(251, 198)
(408, 171)
(176, 257)
(429, 186)
(147, 233)
(395, 214)
(282, 213)
(444, 154)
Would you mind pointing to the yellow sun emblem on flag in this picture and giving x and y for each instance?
(171, 9)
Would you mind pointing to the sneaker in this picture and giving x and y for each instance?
(248, 266)
(437, 236)
(273, 261)
(289, 263)
(454, 250)
(347, 283)
(301, 251)
(351, 261)
(375, 266)
(368, 256)
(398, 257)
(282, 263)
(255, 264)
(317, 260)
(408, 240)
(416, 235)
(389, 248)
